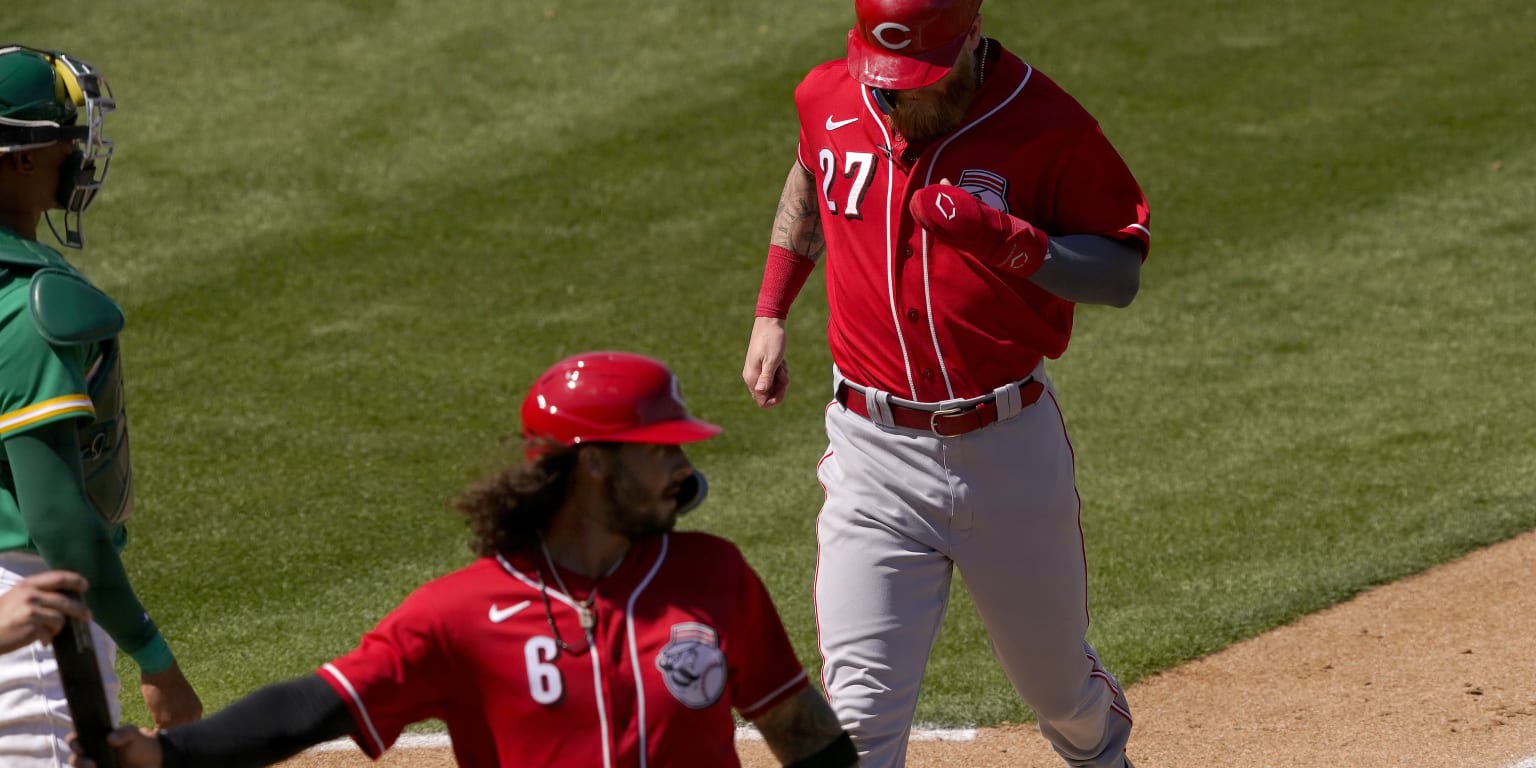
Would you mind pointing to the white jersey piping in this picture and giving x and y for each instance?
(597, 672)
(634, 648)
(933, 328)
(760, 702)
(534, 583)
(602, 706)
(890, 246)
(373, 732)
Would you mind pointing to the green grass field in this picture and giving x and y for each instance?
(348, 233)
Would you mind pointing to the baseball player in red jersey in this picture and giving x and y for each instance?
(965, 205)
(587, 634)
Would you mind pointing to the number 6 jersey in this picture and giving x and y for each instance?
(684, 631)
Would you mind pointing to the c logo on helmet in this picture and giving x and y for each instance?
(879, 34)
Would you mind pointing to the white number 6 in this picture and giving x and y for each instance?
(543, 677)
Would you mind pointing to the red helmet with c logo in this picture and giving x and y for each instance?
(903, 44)
(613, 397)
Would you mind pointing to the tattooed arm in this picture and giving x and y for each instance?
(802, 731)
(797, 226)
(794, 247)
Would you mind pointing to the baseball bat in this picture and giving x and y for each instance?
(75, 650)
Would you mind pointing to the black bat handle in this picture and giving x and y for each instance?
(75, 651)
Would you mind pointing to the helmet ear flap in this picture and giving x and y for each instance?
(692, 493)
(883, 100)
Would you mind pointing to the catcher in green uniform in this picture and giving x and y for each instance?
(66, 485)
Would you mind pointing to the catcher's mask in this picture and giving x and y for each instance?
(42, 96)
(612, 397)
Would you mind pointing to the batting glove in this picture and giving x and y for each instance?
(958, 219)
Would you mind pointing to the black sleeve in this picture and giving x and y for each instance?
(266, 727)
(839, 753)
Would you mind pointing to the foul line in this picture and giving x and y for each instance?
(743, 733)
(406, 741)
(919, 733)
(1529, 762)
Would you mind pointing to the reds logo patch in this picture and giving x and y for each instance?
(988, 187)
(693, 665)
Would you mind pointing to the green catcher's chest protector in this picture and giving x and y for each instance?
(68, 311)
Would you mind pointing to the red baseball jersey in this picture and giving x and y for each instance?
(910, 315)
(685, 632)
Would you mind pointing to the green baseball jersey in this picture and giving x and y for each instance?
(59, 368)
(40, 382)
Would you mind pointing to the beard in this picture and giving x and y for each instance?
(931, 118)
(637, 513)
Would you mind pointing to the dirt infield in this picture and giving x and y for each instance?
(1436, 670)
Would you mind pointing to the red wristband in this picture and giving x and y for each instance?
(783, 277)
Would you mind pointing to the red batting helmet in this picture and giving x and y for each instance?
(902, 44)
(613, 397)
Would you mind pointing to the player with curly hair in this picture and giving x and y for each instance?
(587, 633)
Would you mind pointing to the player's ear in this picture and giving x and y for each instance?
(21, 162)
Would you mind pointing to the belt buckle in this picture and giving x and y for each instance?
(933, 420)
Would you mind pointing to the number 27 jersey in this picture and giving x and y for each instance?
(909, 314)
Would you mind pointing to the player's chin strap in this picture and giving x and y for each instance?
(692, 494)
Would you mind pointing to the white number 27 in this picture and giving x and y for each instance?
(858, 166)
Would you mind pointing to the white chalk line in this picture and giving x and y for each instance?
(1529, 762)
(748, 733)
(406, 741)
(743, 733)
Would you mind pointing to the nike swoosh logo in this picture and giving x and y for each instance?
(498, 615)
(833, 125)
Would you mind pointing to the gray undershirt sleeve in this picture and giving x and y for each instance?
(1091, 269)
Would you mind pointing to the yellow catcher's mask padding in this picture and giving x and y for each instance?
(65, 85)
